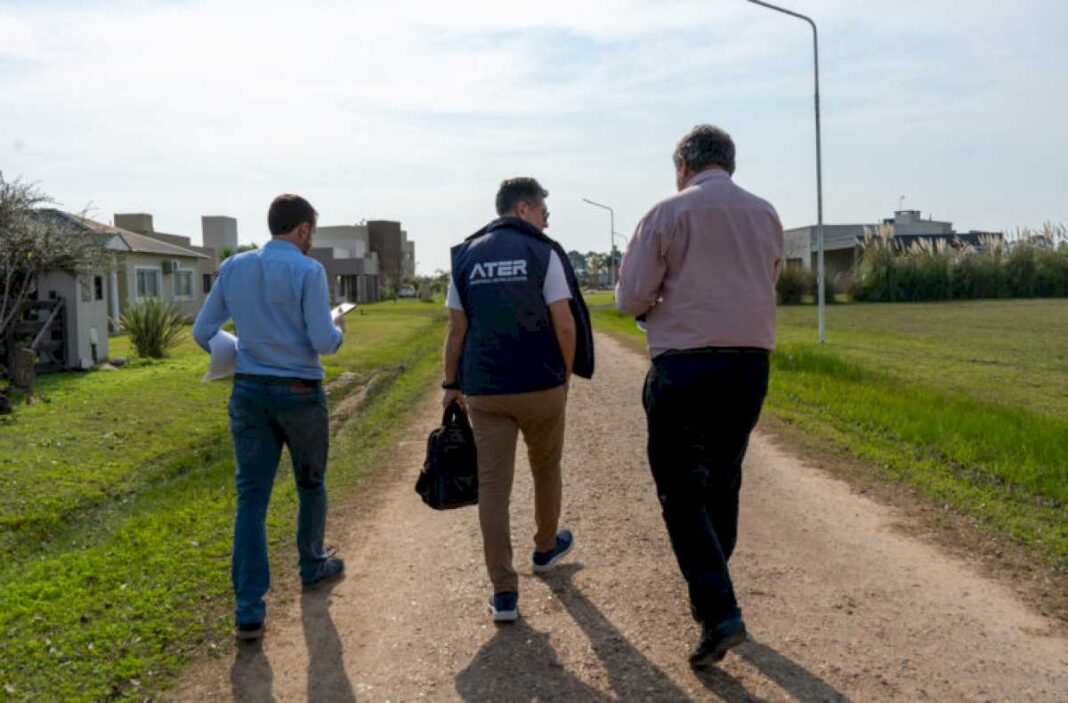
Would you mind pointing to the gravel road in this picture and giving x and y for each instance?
(842, 602)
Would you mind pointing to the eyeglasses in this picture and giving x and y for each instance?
(544, 209)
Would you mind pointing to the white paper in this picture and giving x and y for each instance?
(341, 310)
(223, 362)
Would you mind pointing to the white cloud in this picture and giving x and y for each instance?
(415, 110)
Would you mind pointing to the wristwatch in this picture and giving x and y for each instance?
(450, 385)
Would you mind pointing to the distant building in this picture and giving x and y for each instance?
(77, 336)
(396, 255)
(351, 266)
(842, 244)
(219, 233)
(188, 294)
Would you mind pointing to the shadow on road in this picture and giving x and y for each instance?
(799, 682)
(519, 664)
(327, 680)
(251, 677)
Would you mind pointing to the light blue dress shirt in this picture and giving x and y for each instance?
(280, 303)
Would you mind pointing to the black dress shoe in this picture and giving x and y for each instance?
(716, 640)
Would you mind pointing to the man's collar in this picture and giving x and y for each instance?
(707, 175)
(511, 223)
(275, 243)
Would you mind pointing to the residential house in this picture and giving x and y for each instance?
(842, 244)
(206, 266)
(351, 267)
(75, 306)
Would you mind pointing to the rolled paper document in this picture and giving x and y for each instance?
(223, 362)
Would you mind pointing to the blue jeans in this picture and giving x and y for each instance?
(264, 417)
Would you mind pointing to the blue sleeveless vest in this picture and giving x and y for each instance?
(510, 346)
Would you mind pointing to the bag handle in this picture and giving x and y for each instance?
(454, 414)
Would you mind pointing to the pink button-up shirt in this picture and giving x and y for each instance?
(702, 267)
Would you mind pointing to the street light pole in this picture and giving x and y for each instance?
(611, 240)
(821, 284)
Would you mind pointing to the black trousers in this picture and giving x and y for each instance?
(701, 406)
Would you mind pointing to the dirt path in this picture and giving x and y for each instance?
(841, 603)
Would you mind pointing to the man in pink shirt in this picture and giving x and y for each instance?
(701, 271)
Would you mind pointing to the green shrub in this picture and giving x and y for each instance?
(1029, 265)
(154, 327)
(792, 284)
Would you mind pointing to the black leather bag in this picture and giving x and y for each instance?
(449, 478)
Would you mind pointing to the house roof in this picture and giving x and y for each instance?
(147, 245)
(106, 240)
(137, 243)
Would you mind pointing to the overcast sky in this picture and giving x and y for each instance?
(415, 111)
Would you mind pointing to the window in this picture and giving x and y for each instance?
(98, 287)
(183, 285)
(86, 289)
(207, 283)
(148, 283)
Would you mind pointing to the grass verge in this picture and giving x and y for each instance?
(134, 582)
(888, 391)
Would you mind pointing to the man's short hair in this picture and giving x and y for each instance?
(703, 146)
(516, 190)
(288, 212)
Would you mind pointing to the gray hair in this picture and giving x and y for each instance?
(703, 146)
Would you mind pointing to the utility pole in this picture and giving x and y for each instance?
(821, 283)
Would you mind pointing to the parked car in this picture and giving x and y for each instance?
(406, 292)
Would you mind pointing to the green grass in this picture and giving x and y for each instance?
(108, 586)
(965, 401)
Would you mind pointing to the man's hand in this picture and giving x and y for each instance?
(451, 395)
(339, 322)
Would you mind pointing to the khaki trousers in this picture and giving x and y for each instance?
(496, 421)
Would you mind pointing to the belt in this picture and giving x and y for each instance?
(708, 351)
(277, 380)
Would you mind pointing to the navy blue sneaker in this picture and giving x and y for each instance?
(330, 570)
(716, 640)
(505, 606)
(544, 561)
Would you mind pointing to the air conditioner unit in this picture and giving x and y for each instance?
(170, 266)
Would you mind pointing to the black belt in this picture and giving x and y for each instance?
(277, 380)
(702, 351)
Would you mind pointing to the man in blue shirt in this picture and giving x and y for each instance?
(278, 298)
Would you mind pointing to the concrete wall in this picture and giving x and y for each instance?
(387, 241)
(354, 239)
(409, 257)
(128, 265)
(85, 320)
(207, 266)
(911, 222)
(800, 242)
(797, 245)
(353, 279)
(835, 261)
(219, 232)
(140, 222)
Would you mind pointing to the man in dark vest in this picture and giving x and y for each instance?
(518, 329)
